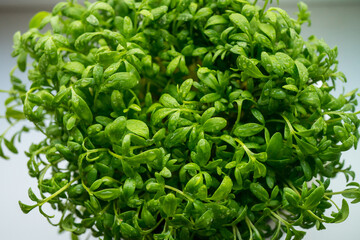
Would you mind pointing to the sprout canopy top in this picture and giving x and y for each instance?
(189, 119)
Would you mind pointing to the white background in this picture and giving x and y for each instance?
(337, 21)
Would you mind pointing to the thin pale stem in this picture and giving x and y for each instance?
(341, 192)
(292, 130)
(39, 128)
(315, 216)
(293, 188)
(58, 192)
(115, 155)
(337, 207)
(264, 7)
(156, 226)
(248, 223)
(180, 192)
(189, 110)
(280, 219)
(8, 128)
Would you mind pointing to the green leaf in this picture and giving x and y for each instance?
(101, 6)
(284, 15)
(153, 187)
(108, 194)
(291, 87)
(349, 143)
(215, 20)
(310, 98)
(306, 169)
(177, 137)
(147, 217)
(240, 21)
(229, 140)
(182, 66)
(269, 30)
(120, 80)
(147, 14)
(266, 62)
(208, 78)
(248, 67)
(160, 114)
(199, 51)
(179, 220)
(259, 169)
(64, 151)
(203, 152)
(263, 40)
(238, 177)
(93, 20)
(278, 93)
(96, 184)
(144, 157)
(34, 98)
(169, 205)
(173, 121)
(15, 114)
(36, 20)
(83, 40)
(51, 51)
(248, 129)
(286, 62)
(81, 108)
(291, 196)
(194, 184)
(75, 67)
(21, 61)
(32, 196)
(63, 94)
(115, 130)
(275, 144)
(185, 87)
(166, 173)
(258, 115)
(258, 207)
(203, 13)
(138, 127)
(10, 145)
(70, 124)
(302, 72)
(168, 101)
(16, 44)
(259, 192)
(2, 155)
(343, 213)
(205, 220)
(208, 113)
(26, 208)
(210, 98)
(128, 231)
(223, 190)
(128, 26)
(305, 147)
(109, 57)
(173, 65)
(314, 198)
(159, 11)
(129, 187)
(214, 124)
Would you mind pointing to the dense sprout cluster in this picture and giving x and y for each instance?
(187, 119)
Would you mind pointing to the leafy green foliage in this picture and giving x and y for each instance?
(182, 120)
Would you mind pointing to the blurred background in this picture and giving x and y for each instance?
(336, 21)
